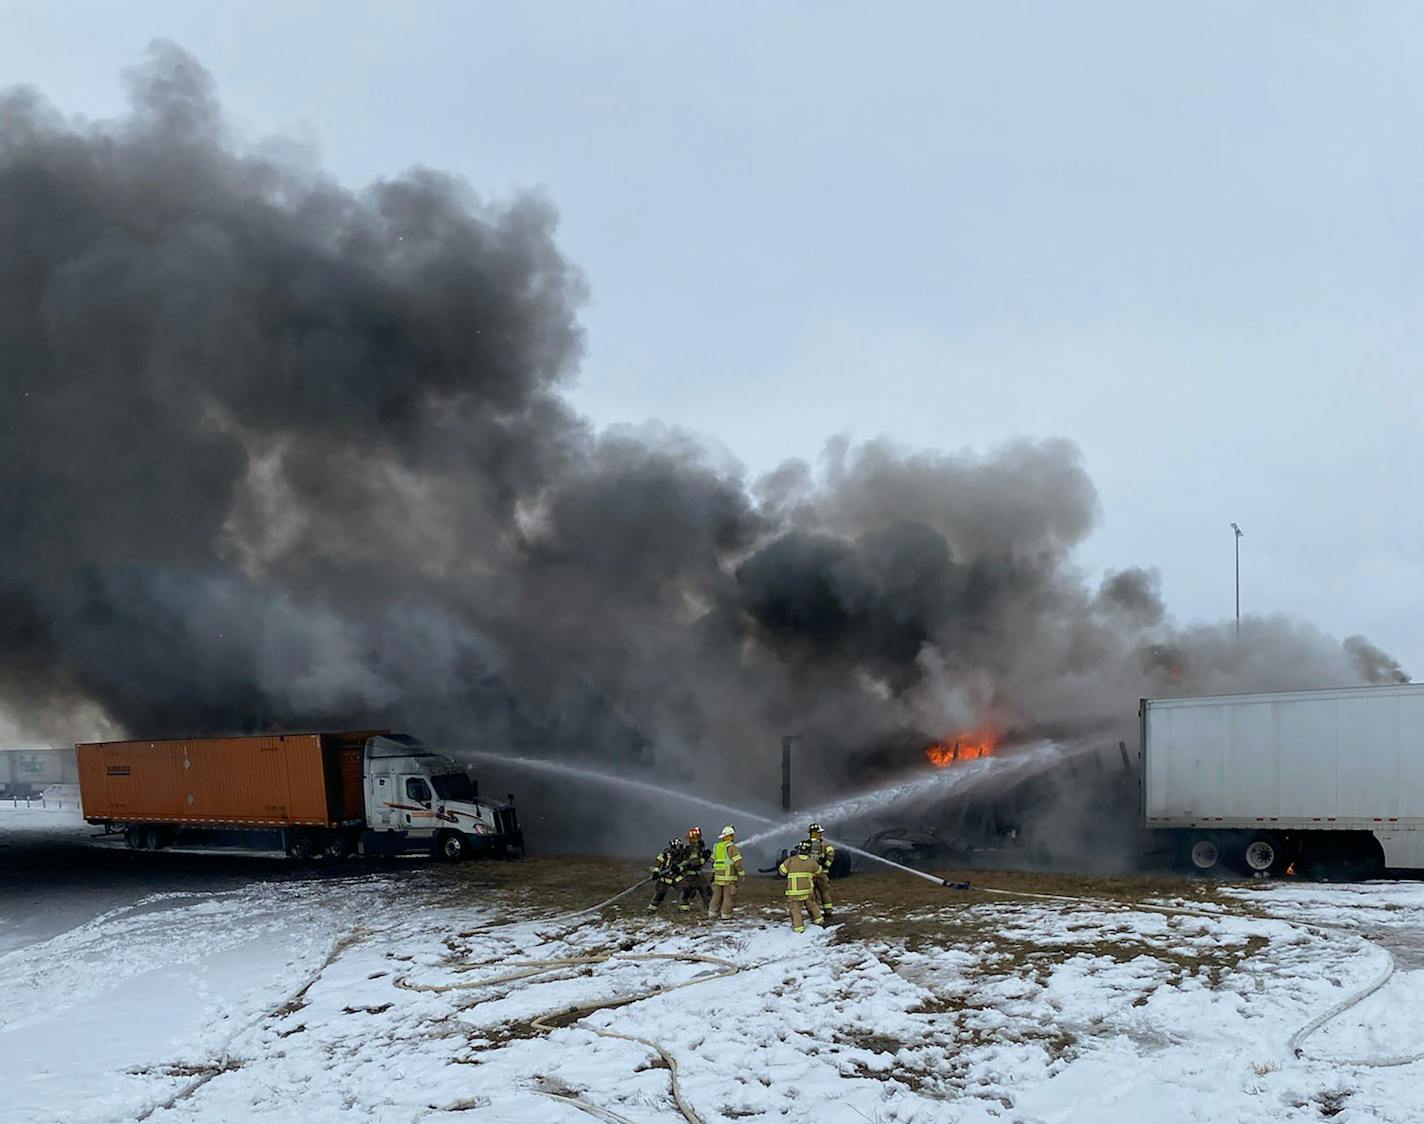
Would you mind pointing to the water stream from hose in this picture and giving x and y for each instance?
(888, 862)
(954, 780)
(961, 778)
(594, 776)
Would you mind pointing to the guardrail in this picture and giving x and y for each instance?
(52, 802)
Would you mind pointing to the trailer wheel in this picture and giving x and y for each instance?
(300, 846)
(451, 846)
(133, 838)
(1263, 855)
(337, 846)
(1205, 855)
(153, 839)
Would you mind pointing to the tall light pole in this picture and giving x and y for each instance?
(1237, 529)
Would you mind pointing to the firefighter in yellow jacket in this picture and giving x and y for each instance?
(727, 871)
(799, 869)
(825, 855)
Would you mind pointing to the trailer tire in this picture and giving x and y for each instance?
(300, 846)
(1204, 854)
(451, 846)
(337, 846)
(133, 838)
(153, 839)
(1263, 854)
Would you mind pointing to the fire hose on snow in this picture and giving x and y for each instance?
(554, 1020)
(1297, 1040)
(1296, 1044)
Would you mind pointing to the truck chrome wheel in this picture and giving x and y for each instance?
(1260, 856)
(451, 847)
(1205, 855)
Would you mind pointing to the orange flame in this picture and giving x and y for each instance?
(963, 747)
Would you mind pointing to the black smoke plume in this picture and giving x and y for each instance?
(280, 454)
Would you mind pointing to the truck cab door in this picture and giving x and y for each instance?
(380, 796)
(417, 807)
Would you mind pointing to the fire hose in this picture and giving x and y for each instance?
(1297, 1040)
(1296, 1044)
(553, 1020)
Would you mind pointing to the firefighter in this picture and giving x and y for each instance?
(825, 855)
(694, 870)
(667, 871)
(800, 869)
(727, 871)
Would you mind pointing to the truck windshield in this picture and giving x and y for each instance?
(454, 786)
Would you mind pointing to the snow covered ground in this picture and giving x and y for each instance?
(379, 994)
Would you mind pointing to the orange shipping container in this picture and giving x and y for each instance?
(280, 780)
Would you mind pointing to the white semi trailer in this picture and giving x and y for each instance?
(1259, 782)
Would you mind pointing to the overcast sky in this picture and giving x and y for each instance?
(1187, 238)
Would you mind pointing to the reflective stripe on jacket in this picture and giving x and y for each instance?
(823, 853)
(726, 863)
(696, 858)
(800, 872)
(666, 869)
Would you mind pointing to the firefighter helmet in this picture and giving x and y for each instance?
(814, 829)
(804, 847)
(694, 831)
(674, 842)
(727, 832)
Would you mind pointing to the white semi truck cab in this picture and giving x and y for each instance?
(417, 799)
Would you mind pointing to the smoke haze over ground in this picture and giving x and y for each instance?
(276, 453)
